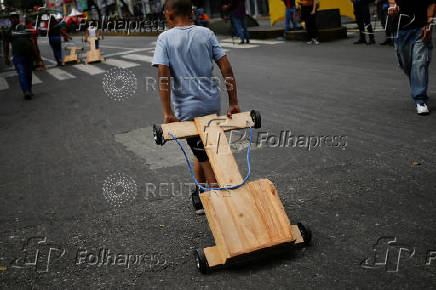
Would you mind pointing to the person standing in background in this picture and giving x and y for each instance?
(308, 15)
(238, 20)
(55, 31)
(363, 18)
(414, 46)
(93, 31)
(289, 15)
(22, 51)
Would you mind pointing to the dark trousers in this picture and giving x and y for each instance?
(310, 20)
(24, 65)
(56, 46)
(240, 27)
(363, 18)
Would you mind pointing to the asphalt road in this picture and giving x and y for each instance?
(369, 202)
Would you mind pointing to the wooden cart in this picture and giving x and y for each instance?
(72, 57)
(93, 55)
(244, 220)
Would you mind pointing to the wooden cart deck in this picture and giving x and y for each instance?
(242, 220)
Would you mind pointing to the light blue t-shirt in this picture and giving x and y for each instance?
(190, 53)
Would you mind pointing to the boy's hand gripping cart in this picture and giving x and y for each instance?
(242, 220)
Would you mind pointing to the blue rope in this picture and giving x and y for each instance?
(219, 188)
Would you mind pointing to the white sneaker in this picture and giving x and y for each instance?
(422, 109)
(315, 41)
(310, 42)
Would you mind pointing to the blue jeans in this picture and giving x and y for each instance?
(240, 24)
(414, 57)
(289, 19)
(24, 65)
(56, 46)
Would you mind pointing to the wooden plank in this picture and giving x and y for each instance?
(247, 219)
(296, 234)
(218, 150)
(188, 129)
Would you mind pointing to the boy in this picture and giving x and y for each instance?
(185, 54)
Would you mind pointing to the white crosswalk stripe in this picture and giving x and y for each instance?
(89, 69)
(140, 57)
(120, 63)
(35, 79)
(3, 84)
(253, 41)
(236, 45)
(60, 74)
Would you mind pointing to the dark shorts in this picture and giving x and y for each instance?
(197, 148)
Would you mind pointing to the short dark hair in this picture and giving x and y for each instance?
(180, 7)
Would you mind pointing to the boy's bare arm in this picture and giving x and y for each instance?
(165, 94)
(227, 72)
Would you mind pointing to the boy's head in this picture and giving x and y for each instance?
(177, 11)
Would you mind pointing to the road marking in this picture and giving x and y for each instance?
(127, 52)
(3, 84)
(9, 74)
(89, 69)
(231, 45)
(129, 48)
(254, 41)
(35, 79)
(120, 63)
(141, 142)
(60, 74)
(49, 60)
(141, 57)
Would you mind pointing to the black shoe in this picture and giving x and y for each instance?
(196, 201)
(371, 41)
(242, 42)
(360, 41)
(28, 96)
(248, 41)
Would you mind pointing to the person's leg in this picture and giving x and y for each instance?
(305, 16)
(237, 26)
(288, 19)
(359, 20)
(20, 66)
(198, 172)
(421, 57)
(367, 22)
(245, 28)
(403, 48)
(28, 67)
(208, 173)
(56, 45)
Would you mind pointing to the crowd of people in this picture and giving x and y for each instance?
(408, 27)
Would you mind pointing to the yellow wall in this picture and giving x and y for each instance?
(277, 8)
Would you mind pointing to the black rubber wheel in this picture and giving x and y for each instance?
(306, 234)
(201, 261)
(158, 135)
(257, 119)
(196, 201)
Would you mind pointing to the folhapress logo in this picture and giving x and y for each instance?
(39, 254)
(390, 255)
